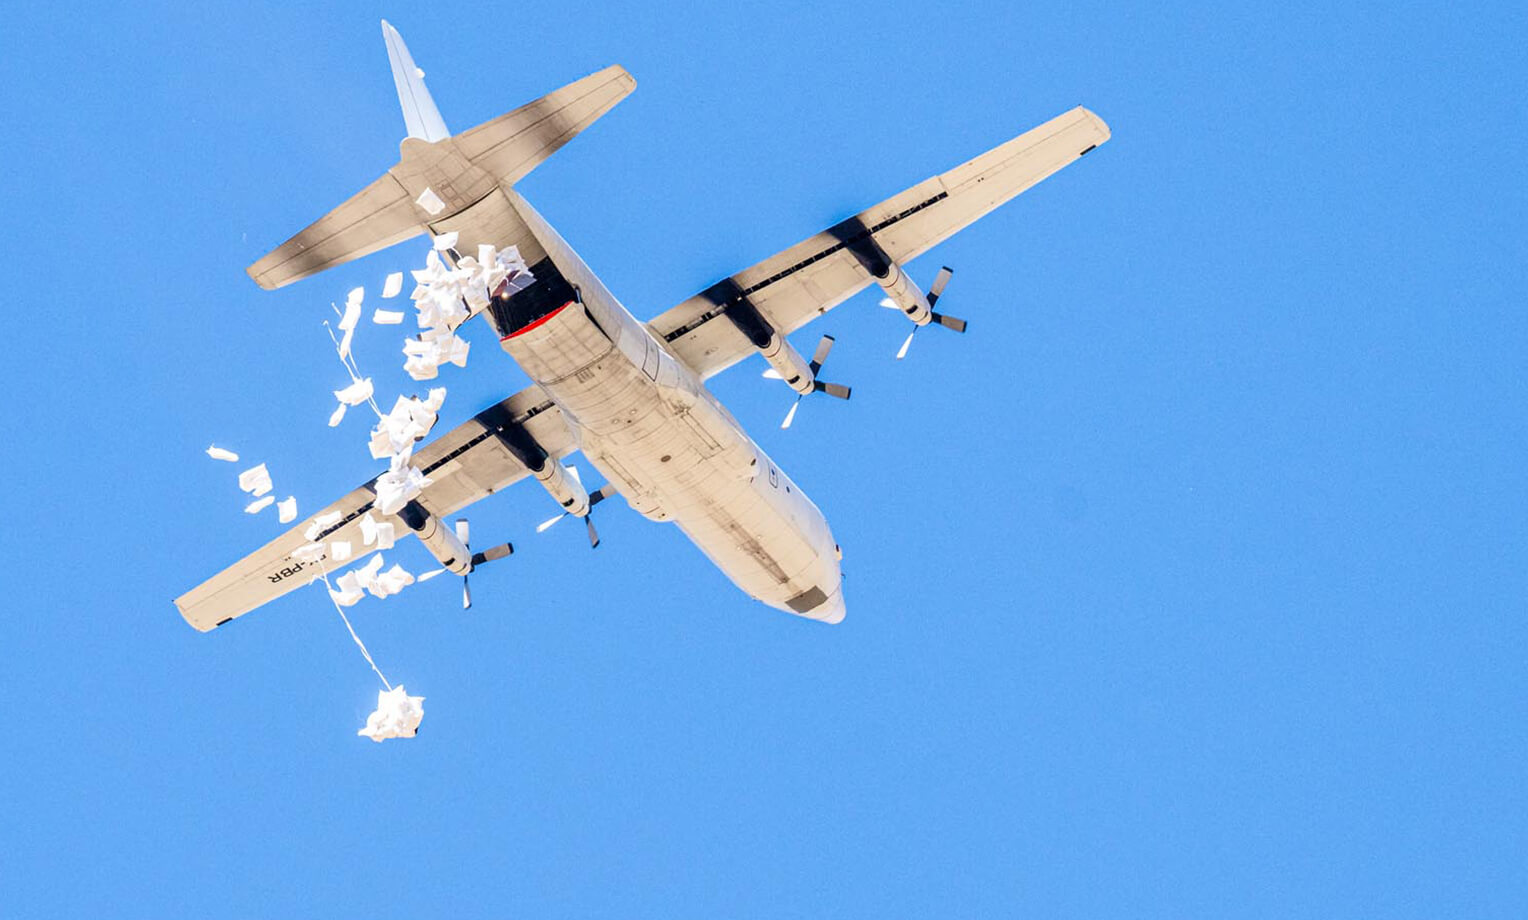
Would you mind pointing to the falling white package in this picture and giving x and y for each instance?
(409, 421)
(218, 453)
(349, 592)
(339, 550)
(392, 285)
(445, 297)
(397, 716)
(259, 504)
(309, 552)
(286, 510)
(337, 416)
(433, 348)
(321, 522)
(256, 480)
(421, 368)
(369, 579)
(387, 317)
(386, 584)
(430, 202)
(445, 241)
(399, 486)
(355, 394)
(375, 535)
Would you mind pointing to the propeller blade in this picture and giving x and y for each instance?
(544, 526)
(604, 492)
(940, 281)
(492, 554)
(949, 322)
(833, 389)
(772, 374)
(426, 576)
(466, 594)
(594, 535)
(824, 346)
(463, 532)
(573, 471)
(890, 304)
(791, 415)
(902, 352)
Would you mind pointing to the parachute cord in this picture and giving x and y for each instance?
(341, 611)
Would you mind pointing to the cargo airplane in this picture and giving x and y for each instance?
(630, 396)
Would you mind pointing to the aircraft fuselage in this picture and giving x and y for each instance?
(648, 423)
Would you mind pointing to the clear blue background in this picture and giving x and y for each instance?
(1189, 583)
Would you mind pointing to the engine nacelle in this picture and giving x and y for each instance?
(906, 295)
(439, 539)
(552, 475)
(789, 363)
(568, 491)
(762, 335)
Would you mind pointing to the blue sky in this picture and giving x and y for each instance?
(1189, 583)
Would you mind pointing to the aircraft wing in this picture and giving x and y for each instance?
(803, 282)
(463, 465)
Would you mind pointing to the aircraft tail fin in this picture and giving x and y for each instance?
(419, 111)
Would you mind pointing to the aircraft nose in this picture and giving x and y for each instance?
(831, 610)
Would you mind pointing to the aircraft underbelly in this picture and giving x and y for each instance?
(648, 424)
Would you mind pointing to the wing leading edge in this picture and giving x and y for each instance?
(819, 273)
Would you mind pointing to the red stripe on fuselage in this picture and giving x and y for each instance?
(533, 324)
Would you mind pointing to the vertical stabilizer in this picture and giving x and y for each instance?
(419, 112)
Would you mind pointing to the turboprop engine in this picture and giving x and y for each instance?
(563, 484)
(442, 542)
(785, 362)
(902, 294)
(560, 481)
(450, 546)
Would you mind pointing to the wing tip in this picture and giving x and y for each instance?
(258, 276)
(1098, 123)
(195, 622)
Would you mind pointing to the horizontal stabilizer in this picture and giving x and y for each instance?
(380, 215)
(413, 194)
(510, 146)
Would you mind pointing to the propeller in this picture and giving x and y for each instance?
(824, 347)
(949, 322)
(595, 498)
(491, 554)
